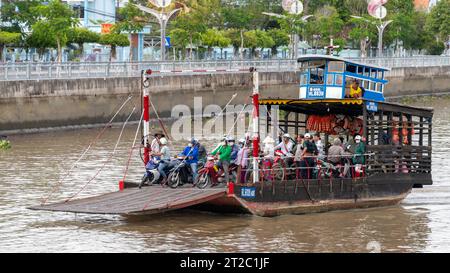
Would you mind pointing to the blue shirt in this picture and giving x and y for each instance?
(194, 154)
(234, 152)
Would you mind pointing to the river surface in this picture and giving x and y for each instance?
(31, 169)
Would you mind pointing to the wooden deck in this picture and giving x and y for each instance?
(134, 201)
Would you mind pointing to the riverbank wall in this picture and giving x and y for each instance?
(30, 105)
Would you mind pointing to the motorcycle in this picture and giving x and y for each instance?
(212, 174)
(181, 173)
(151, 175)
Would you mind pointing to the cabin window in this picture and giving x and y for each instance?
(336, 67)
(380, 87)
(330, 79)
(303, 79)
(367, 72)
(339, 79)
(360, 70)
(372, 86)
(374, 73)
(365, 84)
(351, 68)
(317, 71)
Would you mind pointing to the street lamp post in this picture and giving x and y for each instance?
(381, 26)
(163, 18)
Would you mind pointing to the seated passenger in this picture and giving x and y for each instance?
(224, 153)
(355, 90)
(190, 154)
(164, 154)
(285, 146)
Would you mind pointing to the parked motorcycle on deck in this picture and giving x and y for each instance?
(181, 173)
(212, 174)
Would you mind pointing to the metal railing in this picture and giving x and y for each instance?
(397, 62)
(41, 71)
(76, 70)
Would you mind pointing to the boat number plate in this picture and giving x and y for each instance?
(316, 92)
(248, 192)
(372, 106)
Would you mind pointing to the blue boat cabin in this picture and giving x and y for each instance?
(328, 77)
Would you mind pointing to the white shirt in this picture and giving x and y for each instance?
(155, 146)
(286, 149)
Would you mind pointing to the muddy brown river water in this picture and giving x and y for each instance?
(29, 171)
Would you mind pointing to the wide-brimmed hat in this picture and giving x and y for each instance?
(159, 132)
(268, 140)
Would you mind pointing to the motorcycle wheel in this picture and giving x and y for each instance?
(203, 181)
(143, 180)
(174, 179)
(278, 172)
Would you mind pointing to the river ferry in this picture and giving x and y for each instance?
(397, 155)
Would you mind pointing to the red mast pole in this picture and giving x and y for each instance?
(255, 97)
(146, 117)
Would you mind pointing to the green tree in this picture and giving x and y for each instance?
(57, 19)
(215, 38)
(41, 40)
(438, 21)
(131, 21)
(328, 24)
(20, 15)
(80, 36)
(179, 39)
(363, 32)
(280, 38)
(7, 38)
(257, 39)
(114, 40)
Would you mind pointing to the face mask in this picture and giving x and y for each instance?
(190, 144)
(358, 141)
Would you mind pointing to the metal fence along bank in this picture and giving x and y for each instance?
(71, 70)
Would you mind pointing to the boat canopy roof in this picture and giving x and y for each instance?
(352, 107)
(310, 57)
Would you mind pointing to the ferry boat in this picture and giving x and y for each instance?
(398, 141)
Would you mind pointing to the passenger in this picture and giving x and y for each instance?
(355, 90)
(298, 145)
(335, 152)
(224, 153)
(234, 148)
(269, 149)
(298, 150)
(359, 156)
(155, 146)
(242, 160)
(285, 146)
(165, 159)
(307, 162)
(190, 154)
(202, 153)
(319, 145)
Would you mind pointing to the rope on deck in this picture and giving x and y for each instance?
(132, 148)
(107, 125)
(107, 161)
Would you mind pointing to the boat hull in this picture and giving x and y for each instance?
(312, 196)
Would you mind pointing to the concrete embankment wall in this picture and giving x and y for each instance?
(32, 104)
(55, 103)
(418, 81)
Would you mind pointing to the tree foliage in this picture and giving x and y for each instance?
(57, 19)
